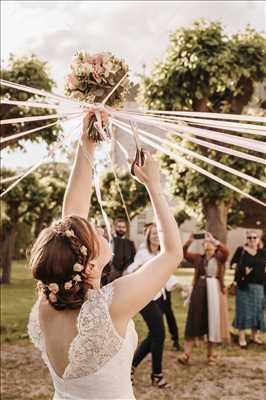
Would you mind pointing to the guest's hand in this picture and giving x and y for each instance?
(248, 270)
(210, 238)
(191, 237)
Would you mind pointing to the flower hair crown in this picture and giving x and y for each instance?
(53, 288)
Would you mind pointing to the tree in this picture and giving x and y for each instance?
(135, 196)
(30, 72)
(33, 203)
(206, 70)
(18, 206)
(54, 177)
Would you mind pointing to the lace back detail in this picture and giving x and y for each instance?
(97, 341)
(34, 329)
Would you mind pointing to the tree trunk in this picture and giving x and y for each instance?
(216, 220)
(40, 223)
(7, 251)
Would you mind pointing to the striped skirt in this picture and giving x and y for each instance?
(249, 311)
(208, 312)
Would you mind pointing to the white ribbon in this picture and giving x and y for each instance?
(99, 198)
(225, 125)
(226, 150)
(25, 133)
(52, 149)
(39, 118)
(119, 190)
(39, 92)
(235, 117)
(203, 158)
(33, 104)
(190, 164)
(250, 144)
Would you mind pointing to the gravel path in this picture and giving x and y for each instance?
(235, 377)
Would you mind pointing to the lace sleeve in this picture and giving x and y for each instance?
(34, 330)
(108, 293)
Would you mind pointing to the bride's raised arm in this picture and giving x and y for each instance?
(134, 291)
(79, 188)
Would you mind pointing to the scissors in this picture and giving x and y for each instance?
(140, 156)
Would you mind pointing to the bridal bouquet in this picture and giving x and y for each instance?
(92, 78)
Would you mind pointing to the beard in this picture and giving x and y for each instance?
(120, 233)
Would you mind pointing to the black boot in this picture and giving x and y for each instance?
(176, 346)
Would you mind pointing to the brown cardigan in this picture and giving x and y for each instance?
(197, 260)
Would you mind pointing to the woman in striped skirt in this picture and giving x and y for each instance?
(250, 278)
(207, 314)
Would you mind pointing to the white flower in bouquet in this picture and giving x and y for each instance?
(92, 78)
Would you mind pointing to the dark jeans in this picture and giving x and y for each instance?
(166, 307)
(154, 342)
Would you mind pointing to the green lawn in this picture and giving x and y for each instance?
(16, 302)
(17, 299)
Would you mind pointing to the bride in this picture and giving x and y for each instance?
(85, 333)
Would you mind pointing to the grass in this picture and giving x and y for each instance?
(17, 300)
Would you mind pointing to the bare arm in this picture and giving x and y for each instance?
(78, 192)
(134, 291)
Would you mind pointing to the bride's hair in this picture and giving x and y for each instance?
(58, 259)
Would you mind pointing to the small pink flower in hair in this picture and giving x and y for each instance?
(39, 285)
(69, 233)
(52, 298)
(68, 285)
(78, 267)
(77, 278)
(53, 287)
(84, 250)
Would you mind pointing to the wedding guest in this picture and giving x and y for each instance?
(123, 248)
(167, 308)
(152, 313)
(86, 333)
(250, 278)
(207, 313)
(123, 252)
(166, 303)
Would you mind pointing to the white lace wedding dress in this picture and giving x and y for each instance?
(99, 358)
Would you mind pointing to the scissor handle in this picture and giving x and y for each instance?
(139, 160)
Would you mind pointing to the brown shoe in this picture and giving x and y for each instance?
(184, 359)
(212, 359)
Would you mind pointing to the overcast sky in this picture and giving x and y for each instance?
(138, 31)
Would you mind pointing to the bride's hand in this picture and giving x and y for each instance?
(90, 118)
(149, 173)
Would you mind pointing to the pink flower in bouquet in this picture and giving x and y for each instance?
(88, 59)
(72, 82)
(97, 72)
(97, 59)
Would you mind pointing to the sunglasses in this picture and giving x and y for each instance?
(252, 237)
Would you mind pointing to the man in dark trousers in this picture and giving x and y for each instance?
(123, 252)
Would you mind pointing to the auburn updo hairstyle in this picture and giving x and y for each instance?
(53, 256)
